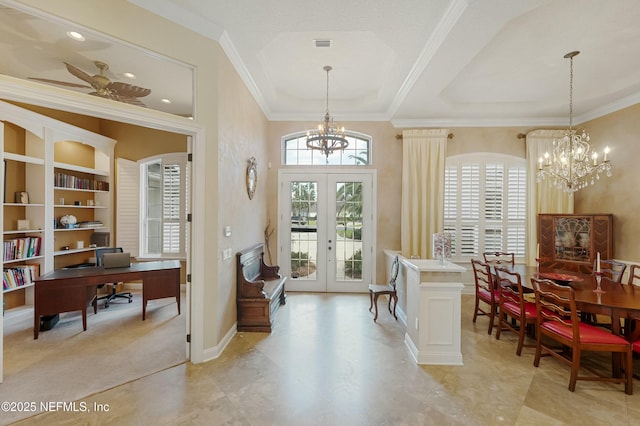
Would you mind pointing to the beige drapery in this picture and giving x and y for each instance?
(543, 196)
(423, 166)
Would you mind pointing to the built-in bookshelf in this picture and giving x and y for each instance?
(51, 170)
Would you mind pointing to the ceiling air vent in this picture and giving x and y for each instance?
(322, 42)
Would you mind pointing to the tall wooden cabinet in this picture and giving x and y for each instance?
(51, 169)
(572, 241)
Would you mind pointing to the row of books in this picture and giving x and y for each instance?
(62, 180)
(20, 248)
(19, 276)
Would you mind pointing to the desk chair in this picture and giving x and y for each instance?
(375, 290)
(114, 294)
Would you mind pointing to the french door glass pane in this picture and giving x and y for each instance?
(349, 231)
(304, 229)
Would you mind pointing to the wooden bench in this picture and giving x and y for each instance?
(260, 290)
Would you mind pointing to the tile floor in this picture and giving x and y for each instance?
(328, 363)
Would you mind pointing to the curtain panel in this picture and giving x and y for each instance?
(542, 196)
(423, 169)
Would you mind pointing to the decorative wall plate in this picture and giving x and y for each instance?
(252, 177)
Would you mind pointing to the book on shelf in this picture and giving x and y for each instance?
(20, 275)
(20, 248)
(62, 180)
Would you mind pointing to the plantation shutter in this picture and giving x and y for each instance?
(128, 204)
(171, 208)
(485, 204)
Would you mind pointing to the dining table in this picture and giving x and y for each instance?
(608, 298)
(593, 294)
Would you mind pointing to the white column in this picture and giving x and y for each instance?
(433, 311)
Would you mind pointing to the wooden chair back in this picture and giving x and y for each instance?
(482, 276)
(634, 275)
(499, 257)
(395, 268)
(556, 303)
(510, 286)
(611, 269)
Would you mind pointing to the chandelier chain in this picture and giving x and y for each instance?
(328, 137)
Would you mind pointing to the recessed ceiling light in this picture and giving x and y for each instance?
(130, 75)
(75, 35)
(165, 100)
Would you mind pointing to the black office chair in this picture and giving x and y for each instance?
(114, 294)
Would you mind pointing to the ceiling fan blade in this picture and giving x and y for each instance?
(60, 83)
(80, 74)
(131, 100)
(118, 98)
(127, 90)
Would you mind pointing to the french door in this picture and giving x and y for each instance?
(326, 230)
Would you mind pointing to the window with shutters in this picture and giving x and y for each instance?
(163, 206)
(484, 205)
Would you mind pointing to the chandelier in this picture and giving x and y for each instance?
(572, 165)
(328, 137)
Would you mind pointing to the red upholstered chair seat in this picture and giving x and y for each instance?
(486, 296)
(529, 309)
(588, 333)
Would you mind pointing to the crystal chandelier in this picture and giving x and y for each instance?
(328, 137)
(572, 165)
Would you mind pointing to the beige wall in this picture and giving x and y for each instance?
(387, 161)
(502, 140)
(242, 135)
(136, 143)
(618, 194)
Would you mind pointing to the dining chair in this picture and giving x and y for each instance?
(634, 275)
(376, 290)
(558, 320)
(611, 269)
(485, 292)
(512, 305)
(498, 257)
(631, 324)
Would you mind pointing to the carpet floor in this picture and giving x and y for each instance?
(116, 348)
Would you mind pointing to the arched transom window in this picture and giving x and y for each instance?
(296, 153)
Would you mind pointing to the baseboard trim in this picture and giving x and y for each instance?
(214, 352)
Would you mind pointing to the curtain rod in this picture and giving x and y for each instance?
(399, 136)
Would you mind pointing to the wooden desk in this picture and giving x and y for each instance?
(66, 290)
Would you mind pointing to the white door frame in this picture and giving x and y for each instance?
(324, 279)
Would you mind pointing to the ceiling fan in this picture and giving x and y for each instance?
(104, 88)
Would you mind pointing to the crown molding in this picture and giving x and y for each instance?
(181, 16)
